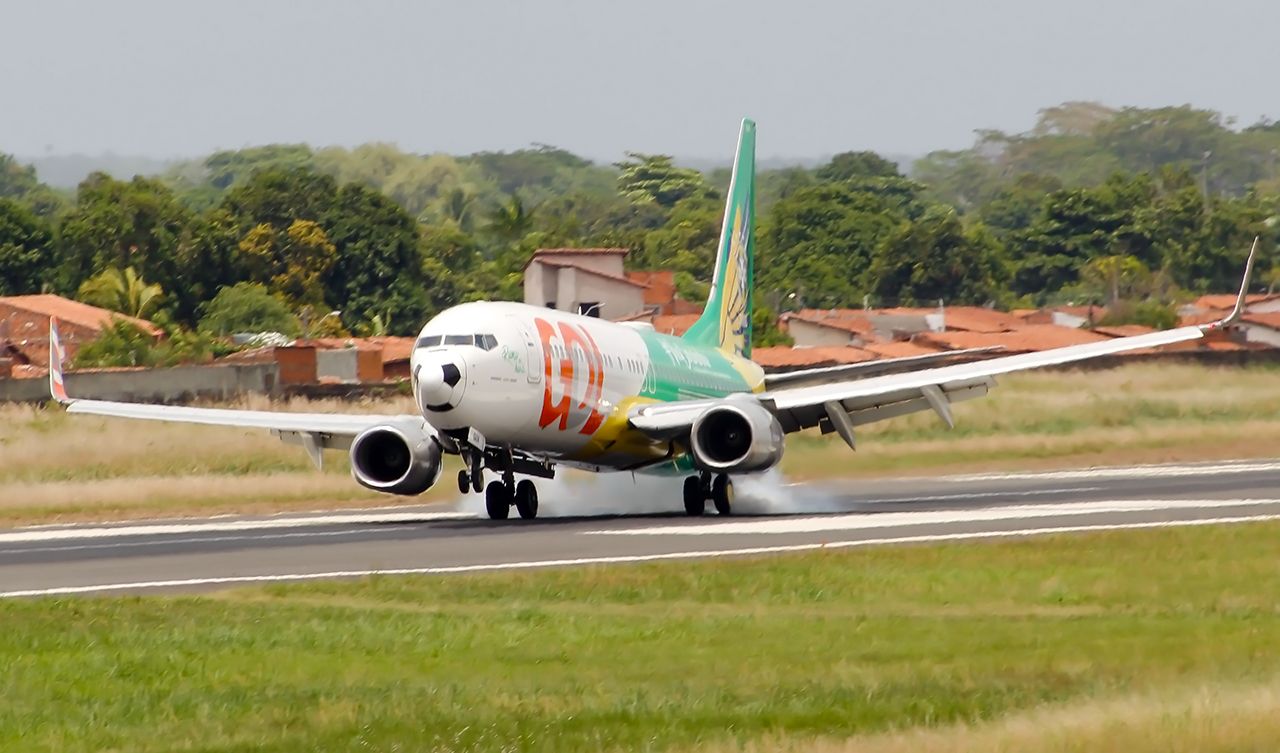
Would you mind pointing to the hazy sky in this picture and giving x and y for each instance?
(182, 77)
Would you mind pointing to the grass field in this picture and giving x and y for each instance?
(59, 467)
(1128, 641)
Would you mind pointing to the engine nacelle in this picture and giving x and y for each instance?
(395, 460)
(738, 437)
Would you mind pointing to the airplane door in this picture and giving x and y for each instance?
(532, 356)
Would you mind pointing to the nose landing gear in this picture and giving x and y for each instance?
(698, 489)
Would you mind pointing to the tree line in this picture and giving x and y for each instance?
(1137, 208)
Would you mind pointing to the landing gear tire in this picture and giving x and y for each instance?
(497, 500)
(464, 482)
(477, 481)
(527, 499)
(722, 494)
(695, 500)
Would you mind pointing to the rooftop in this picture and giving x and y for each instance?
(75, 312)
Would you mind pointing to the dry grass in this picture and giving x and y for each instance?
(1211, 718)
(59, 467)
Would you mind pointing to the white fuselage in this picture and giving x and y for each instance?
(538, 379)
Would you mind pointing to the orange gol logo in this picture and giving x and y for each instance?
(577, 353)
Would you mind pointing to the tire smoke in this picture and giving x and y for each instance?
(581, 494)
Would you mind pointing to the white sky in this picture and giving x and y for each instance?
(169, 78)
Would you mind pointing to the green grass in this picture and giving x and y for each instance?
(824, 649)
(58, 467)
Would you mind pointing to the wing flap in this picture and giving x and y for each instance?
(281, 422)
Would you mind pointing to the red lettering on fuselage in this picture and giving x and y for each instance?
(578, 356)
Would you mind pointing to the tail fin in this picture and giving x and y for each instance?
(57, 387)
(726, 321)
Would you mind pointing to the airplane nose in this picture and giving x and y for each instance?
(441, 381)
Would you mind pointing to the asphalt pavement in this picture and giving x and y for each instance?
(771, 517)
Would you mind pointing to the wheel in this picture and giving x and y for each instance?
(722, 494)
(695, 502)
(477, 481)
(527, 499)
(464, 482)
(497, 500)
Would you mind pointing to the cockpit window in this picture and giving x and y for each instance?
(484, 342)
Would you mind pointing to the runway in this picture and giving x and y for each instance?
(200, 554)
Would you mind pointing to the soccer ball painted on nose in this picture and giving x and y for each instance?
(441, 382)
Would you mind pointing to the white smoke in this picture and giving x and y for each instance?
(581, 494)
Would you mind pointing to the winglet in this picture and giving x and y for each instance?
(57, 387)
(1238, 311)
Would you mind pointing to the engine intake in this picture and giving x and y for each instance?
(395, 460)
(736, 439)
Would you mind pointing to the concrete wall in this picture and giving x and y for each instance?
(808, 334)
(338, 365)
(176, 385)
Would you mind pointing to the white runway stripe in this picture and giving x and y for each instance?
(862, 521)
(215, 525)
(1135, 472)
(690, 555)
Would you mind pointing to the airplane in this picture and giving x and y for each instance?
(517, 390)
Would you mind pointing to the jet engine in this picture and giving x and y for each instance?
(738, 437)
(395, 459)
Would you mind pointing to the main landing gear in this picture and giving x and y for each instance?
(698, 489)
(501, 495)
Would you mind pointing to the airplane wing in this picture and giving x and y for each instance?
(872, 368)
(840, 406)
(314, 431)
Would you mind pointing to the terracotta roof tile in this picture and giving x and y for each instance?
(1227, 301)
(846, 320)
(900, 349)
(977, 319)
(74, 312)
(783, 356)
(583, 251)
(1124, 330)
(585, 270)
(674, 324)
(1025, 339)
(1271, 320)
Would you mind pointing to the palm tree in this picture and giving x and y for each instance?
(121, 290)
(511, 220)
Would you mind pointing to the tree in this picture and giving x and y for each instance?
(819, 242)
(847, 165)
(511, 220)
(247, 307)
(1120, 276)
(122, 290)
(139, 224)
(653, 177)
(293, 263)
(27, 261)
(937, 258)
(379, 266)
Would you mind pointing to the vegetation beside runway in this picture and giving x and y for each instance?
(56, 467)
(1137, 641)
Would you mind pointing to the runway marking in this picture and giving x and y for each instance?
(862, 521)
(978, 495)
(691, 555)
(200, 540)
(1136, 472)
(161, 529)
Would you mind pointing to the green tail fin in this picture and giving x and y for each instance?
(726, 322)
